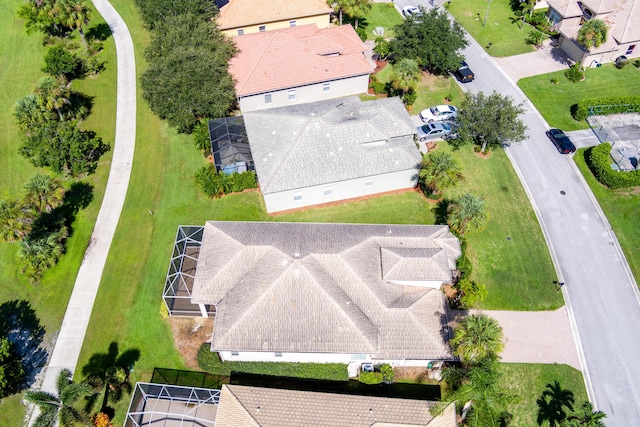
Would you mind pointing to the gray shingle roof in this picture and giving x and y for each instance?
(244, 406)
(330, 141)
(306, 287)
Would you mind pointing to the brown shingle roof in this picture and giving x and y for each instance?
(305, 287)
(241, 13)
(297, 56)
(269, 407)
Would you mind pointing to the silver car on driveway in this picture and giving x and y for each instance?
(432, 131)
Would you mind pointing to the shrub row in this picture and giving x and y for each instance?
(215, 184)
(624, 104)
(599, 162)
(210, 362)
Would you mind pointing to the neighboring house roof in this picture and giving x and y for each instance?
(626, 20)
(566, 8)
(329, 141)
(308, 287)
(244, 406)
(241, 13)
(296, 56)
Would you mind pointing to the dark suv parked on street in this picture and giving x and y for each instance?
(464, 73)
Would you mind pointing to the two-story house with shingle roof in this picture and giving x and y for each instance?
(298, 65)
(621, 16)
(332, 150)
(238, 17)
(326, 293)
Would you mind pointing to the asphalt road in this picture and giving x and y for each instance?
(600, 291)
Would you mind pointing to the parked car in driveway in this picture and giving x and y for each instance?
(439, 113)
(464, 73)
(410, 11)
(432, 131)
(561, 141)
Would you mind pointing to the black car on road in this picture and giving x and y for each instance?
(561, 141)
(464, 73)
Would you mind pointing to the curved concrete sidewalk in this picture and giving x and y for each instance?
(76, 319)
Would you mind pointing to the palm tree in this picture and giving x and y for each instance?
(477, 338)
(406, 75)
(15, 221)
(43, 193)
(29, 113)
(53, 94)
(438, 170)
(59, 407)
(551, 404)
(341, 5)
(357, 9)
(73, 14)
(592, 34)
(35, 255)
(586, 417)
(466, 214)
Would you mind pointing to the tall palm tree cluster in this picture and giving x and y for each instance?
(553, 404)
(32, 222)
(440, 170)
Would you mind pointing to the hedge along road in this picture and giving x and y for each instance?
(600, 291)
(76, 319)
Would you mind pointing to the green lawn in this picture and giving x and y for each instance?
(554, 101)
(500, 36)
(432, 90)
(22, 56)
(383, 15)
(527, 381)
(622, 208)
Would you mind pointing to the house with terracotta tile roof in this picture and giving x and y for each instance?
(298, 65)
(235, 405)
(325, 293)
(238, 17)
(621, 16)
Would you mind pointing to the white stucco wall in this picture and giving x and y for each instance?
(343, 190)
(310, 93)
(259, 356)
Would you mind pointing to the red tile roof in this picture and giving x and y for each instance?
(296, 56)
(241, 13)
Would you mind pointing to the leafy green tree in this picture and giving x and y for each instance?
(59, 62)
(53, 94)
(38, 254)
(74, 14)
(381, 48)
(43, 193)
(489, 121)
(155, 11)
(12, 373)
(60, 408)
(476, 338)
(552, 403)
(357, 9)
(405, 76)
(16, 221)
(201, 136)
(430, 38)
(593, 33)
(465, 214)
(63, 147)
(468, 293)
(188, 78)
(38, 16)
(438, 170)
(586, 416)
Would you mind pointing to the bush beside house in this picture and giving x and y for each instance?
(618, 104)
(599, 162)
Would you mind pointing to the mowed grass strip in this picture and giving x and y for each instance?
(554, 100)
(509, 255)
(622, 208)
(502, 35)
(527, 382)
(383, 15)
(22, 57)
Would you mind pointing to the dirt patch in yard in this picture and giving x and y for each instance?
(414, 374)
(188, 334)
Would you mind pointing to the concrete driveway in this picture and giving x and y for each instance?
(542, 61)
(600, 292)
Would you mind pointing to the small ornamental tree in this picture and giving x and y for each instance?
(476, 338)
(489, 121)
(465, 214)
(59, 62)
(405, 78)
(438, 170)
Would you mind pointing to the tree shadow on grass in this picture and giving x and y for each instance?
(19, 323)
(108, 374)
(100, 32)
(440, 211)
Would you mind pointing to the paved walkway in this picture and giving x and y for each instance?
(536, 336)
(74, 326)
(542, 61)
